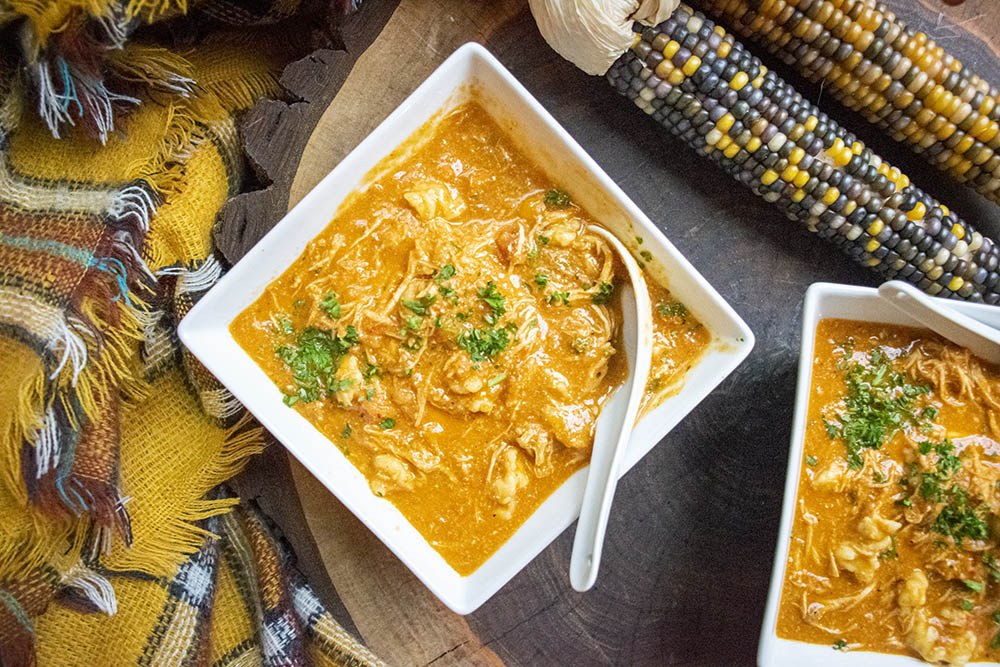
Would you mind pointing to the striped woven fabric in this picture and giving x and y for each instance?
(116, 544)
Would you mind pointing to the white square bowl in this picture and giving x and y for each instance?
(470, 70)
(823, 301)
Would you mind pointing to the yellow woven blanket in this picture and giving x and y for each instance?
(117, 543)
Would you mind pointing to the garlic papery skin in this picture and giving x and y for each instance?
(592, 34)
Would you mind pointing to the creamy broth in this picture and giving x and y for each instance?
(894, 544)
(455, 331)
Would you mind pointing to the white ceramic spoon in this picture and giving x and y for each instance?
(614, 425)
(982, 340)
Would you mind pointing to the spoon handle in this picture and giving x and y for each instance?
(588, 543)
(980, 339)
(614, 425)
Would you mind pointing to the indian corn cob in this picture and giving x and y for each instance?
(707, 89)
(897, 78)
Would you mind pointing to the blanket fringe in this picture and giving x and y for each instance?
(155, 67)
(160, 554)
(85, 588)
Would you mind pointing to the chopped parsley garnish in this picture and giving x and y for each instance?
(811, 460)
(496, 379)
(387, 423)
(330, 305)
(413, 322)
(557, 199)
(314, 358)
(419, 306)
(544, 240)
(603, 294)
(483, 344)
(967, 605)
(891, 551)
(975, 586)
(990, 561)
(558, 297)
(957, 518)
(444, 273)
(646, 255)
(371, 371)
(541, 279)
(840, 645)
(346, 433)
(675, 309)
(492, 298)
(284, 324)
(879, 402)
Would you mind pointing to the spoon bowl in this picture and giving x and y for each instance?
(614, 424)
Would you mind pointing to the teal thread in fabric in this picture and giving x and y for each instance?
(49, 246)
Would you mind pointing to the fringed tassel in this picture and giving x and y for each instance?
(155, 67)
(220, 404)
(88, 591)
(197, 280)
(181, 534)
(133, 207)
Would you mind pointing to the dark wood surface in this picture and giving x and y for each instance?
(691, 537)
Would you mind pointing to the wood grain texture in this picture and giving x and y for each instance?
(691, 537)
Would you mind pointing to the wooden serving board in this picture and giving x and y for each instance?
(692, 534)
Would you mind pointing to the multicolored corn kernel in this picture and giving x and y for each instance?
(771, 139)
(896, 77)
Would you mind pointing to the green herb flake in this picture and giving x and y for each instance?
(330, 305)
(967, 605)
(313, 359)
(603, 294)
(891, 552)
(675, 309)
(646, 255)
(975, 586)
(444, 273)
(284, 324)
(413, 322)
(419, 306)
(840, 645)
(878, 404)
(990, 561)
(557, 297)
(387, 423)
(541, 279)
(483, 344)
(346, 433)
(492, 298)
(371, 371)
(557, 199)
(957, 517)
(811, 460)
(930, 413)
(497, 379)
(543, 240)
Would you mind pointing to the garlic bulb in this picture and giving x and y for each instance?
(591, 34)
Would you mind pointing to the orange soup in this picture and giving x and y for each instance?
(895, 539)
(455, 331)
